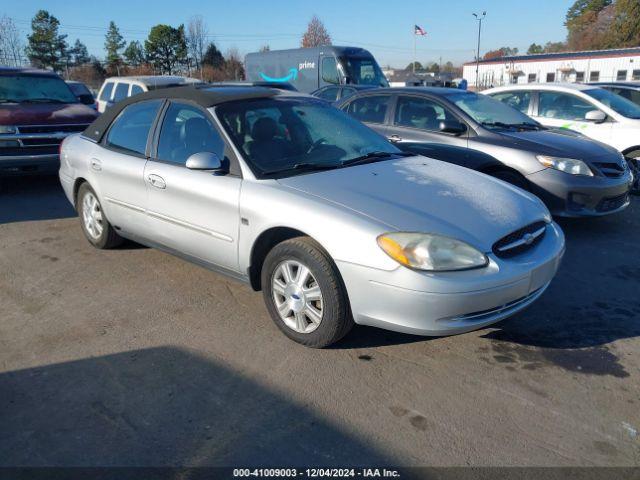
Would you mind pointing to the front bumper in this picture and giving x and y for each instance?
(449, 303)
(580, 196)
(29, 164)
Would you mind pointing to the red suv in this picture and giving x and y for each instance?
(37, 111)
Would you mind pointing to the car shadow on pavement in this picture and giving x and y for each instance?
(30, 198)
(592, 302)
(162, 407)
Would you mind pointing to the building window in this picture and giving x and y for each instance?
(636, 75)
(594, 76)
(622, 75)
(551, 77)
(531, 78)
(579, 76)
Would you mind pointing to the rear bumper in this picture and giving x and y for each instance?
(29, 164)
(450, 303)
(580, 196)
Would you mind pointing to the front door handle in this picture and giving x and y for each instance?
(157, 181)
(96, 164)
(395, 138)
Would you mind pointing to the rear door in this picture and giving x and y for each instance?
(194, 212)
(118, 163)
(416, 120)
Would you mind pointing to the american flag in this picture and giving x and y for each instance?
(419, 31)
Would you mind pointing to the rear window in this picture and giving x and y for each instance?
(130, 129)
(122, 90)
(35, 89)
(136, 89)
(105, 96)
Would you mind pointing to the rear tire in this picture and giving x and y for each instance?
(95, 225)
(511, 177)
(304, 293)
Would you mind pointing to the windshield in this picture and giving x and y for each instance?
(282, 137)
(615, 102)
(363, 71)
(489, 112)
(34, 89)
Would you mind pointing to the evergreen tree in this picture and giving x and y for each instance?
(134, 54)
(46, 47)
(113, 43)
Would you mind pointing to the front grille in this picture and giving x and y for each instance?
(51, 128)
(613, 203)
(34, 142)
(520, 241)
(612, 170)
(38, 150)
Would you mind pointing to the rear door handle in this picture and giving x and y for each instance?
(96, 164)
(395, 138)
(157, 181)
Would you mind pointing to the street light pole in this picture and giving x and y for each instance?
(479, 18)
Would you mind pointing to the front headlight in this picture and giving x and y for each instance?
(427, 251)
(567, 165)
(8, 129)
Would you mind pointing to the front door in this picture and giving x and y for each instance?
(416, 120)
(565, 110)
(194, 212)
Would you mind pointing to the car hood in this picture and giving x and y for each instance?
(419, 194)
(46, 114)
(558, 142)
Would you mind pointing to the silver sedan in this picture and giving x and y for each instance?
(333, 223)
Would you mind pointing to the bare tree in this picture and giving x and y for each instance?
(11, 44)
(197, 33)
(233, 67)
(316, 34)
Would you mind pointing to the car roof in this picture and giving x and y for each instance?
(579, 87)
(28, 71)
(202, 94)
(616, 84)
(154, 80)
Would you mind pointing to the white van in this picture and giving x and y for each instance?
(115, 89)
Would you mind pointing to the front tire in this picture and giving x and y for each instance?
(511, 177)
(95, 225)
(304, 293)
(633, 160)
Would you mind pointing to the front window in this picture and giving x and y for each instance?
(283, 137)
(34, 89)
(421, 113)
(563, 106)
(363, 71)
(490, 112)
(615, 102)
(518, 100)
(330, 70)
(370, 108)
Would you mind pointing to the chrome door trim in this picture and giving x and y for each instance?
(120, 203)
(191, 226)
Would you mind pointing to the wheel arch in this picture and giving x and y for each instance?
(630, 149)
(492, 169)
(76, 187)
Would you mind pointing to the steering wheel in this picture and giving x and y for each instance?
(316, 144)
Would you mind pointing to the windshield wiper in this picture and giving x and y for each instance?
(522, 126)
(42, 100)
(309, 167)
(9, 100)
(374, 157)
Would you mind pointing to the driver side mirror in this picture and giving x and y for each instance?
(452, 126)
(596, 116)
(205, 161)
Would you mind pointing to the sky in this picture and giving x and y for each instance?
(385, 28)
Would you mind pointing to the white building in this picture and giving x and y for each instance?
(590, 66)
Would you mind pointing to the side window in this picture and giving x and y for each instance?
(563, 106)
(594, 76)
(136, 89)
(518, 100)
(130, 129)
(629, 94)
(122, 90)
(347, 92)
(187, 130)
(105, 96)
(420, 113)
(330, 94)
(370, 109)
(579, 77)
(330, 70)
(622, 75)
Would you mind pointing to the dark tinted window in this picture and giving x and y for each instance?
(551, 77)
(371, 109)
(106, 92)
(628, 93)
(130, 129)
(635, 75)
(563, 106)
(531, 78)
(122, 90)
(594, 76)
(136, 89)
(420, 113)
(187, 130)
(519, 100)
(330, 94)
(622, 75)
(330, 70)
(347, 92)
(579, 76)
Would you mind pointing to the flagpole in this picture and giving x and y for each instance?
(414, 50)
